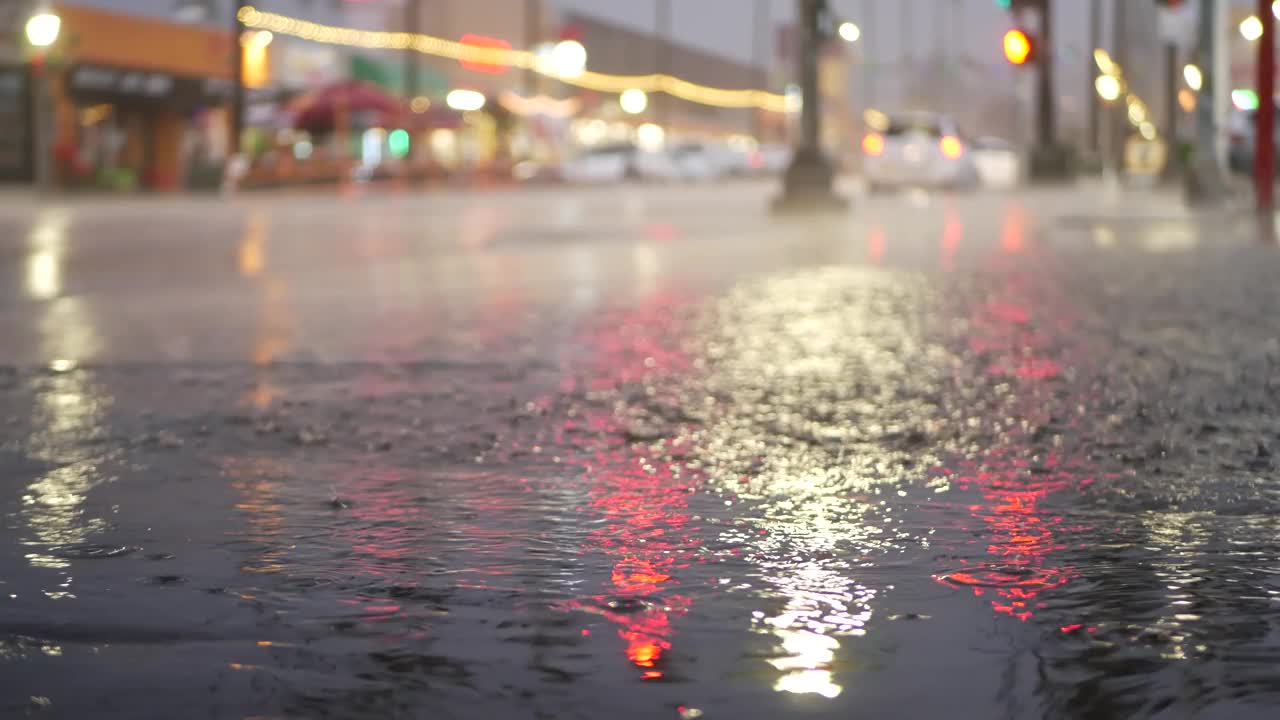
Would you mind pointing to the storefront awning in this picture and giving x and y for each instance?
(353, 103)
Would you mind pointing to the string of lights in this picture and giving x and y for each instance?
(506, 57)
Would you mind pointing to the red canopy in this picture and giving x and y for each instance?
(320, 109)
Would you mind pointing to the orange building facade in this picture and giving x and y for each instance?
(137, 102)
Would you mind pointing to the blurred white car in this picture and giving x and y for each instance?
(917, 149)
(770, 159)
(998, 162)
(656, 165)
(700, 162)
(690, 161)
(604, 164)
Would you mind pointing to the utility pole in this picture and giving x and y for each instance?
(1095, 42)
(662, 48)
(1204, 184)
(237, 77)
(809, 182)
(412, 63)
(532, 37)
(1172, 73)
(412, 24)
(1119, 47)
(1264, 164)
(905, 65)
(870, 37)
(1049, 160)
(1048, 119)
(761, 64)
(942, 32)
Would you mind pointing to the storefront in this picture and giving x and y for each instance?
(140, 128)
(16, 137)
(138, 102)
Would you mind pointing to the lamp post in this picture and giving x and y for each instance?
(1109, 90)
(1095, 42)
(662, 61)
(237, 78)
(1264, 162)
(1204, 185)
(809, 182)
(42, 31)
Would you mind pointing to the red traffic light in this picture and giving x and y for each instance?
(1017, 47)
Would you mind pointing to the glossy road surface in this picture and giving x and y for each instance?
(638, 452)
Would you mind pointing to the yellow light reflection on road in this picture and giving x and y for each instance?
(275, 326)
(46, 245)
(252, 257)
(67, 413)
(44, 275)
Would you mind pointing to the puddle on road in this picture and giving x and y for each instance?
(731, 505)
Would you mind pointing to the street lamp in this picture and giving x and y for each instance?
(465, 100)
(1251, 28)
(850, 32)
(808, 184)
(633, 101)
(569, 59)
(1103, 60)
(43, 29)
(1108, 88)
(1195, 79)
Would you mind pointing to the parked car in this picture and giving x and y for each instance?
(604, 164)
(917, 149)
(771, 159)
(997, 161)
(686, 161)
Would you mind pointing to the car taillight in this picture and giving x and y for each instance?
(873, 144)
(951, 147)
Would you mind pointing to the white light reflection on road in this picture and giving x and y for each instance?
(803, 451)
(69, 413)
(67, 330)
(46, 246)
(69, 409)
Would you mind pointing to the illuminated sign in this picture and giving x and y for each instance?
(498, 66)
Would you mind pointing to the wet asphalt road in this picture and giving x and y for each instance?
(641, 453)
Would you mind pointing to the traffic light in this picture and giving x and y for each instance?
(1018, 48)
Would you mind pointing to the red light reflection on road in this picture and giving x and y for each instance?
(639, 492)
(1013, 480)
(875, 245)
(952, 235)
(1021, 535)
(1013, 237)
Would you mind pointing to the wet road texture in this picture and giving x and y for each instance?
(637, 453)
